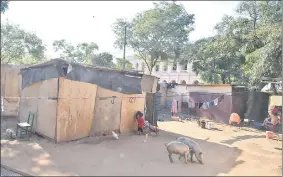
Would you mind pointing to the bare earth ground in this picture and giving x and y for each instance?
(228, 152)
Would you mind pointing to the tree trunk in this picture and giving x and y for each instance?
(223, 78)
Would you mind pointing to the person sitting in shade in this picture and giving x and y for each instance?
(234, 119)
(273, 118)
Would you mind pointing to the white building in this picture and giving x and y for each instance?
(167, 71)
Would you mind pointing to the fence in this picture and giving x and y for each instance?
(11, 88)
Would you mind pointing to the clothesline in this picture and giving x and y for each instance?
(209, 104)
(201, 105)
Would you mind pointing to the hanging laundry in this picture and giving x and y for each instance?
(174, 108)
(200, 105)
(196, 105)
(215, 102)
(205, 105)
(220, 98)
(211, 104)
(191, 104)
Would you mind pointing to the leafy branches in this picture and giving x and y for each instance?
(19, 46)
(156, 34)
(81, 53)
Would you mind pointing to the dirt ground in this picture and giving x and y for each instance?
(227, 151)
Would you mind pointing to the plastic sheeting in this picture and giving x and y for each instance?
(271, 87)
(120, 81)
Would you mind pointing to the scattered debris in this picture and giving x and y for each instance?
(10, 134)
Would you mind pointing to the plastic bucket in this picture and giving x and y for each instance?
(209, 125)
(268, 134)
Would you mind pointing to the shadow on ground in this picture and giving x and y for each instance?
(127, 156)
(240, 138)
(26, 154)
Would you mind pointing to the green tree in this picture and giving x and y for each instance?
(156, 34)
(103, 60)
(120, 63)
(19, 46)
(81, 53)
(262, 42)
(4, 6)
(245, 48)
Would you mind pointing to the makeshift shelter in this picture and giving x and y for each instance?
(274, 90)
(233, 99)
(73, 101)
(10, 88)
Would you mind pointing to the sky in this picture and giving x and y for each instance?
(91, 21)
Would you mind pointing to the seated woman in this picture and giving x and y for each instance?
(273, 119)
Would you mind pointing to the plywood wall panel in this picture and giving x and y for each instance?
(75, 109)
(106, 115)
(130, 105)
(10, 89)
(46, 118)
(38, 98)
(28, 103)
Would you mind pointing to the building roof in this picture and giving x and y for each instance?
(58, 61)
(117, 80)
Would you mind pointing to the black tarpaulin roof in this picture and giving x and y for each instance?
(113, 79)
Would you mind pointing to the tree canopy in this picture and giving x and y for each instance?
(4, 6)
(19, 46)
(80, 53)
(245, 48)
(156, 34)
(103, 60)
(120, 63)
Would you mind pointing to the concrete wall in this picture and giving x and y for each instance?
(11, 82)
(221, 88)
(189, 77)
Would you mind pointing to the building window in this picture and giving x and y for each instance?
(157, 68)
(196, 82)
(174, 68)
(183, 82)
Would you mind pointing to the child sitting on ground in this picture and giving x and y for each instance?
(140, 119)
